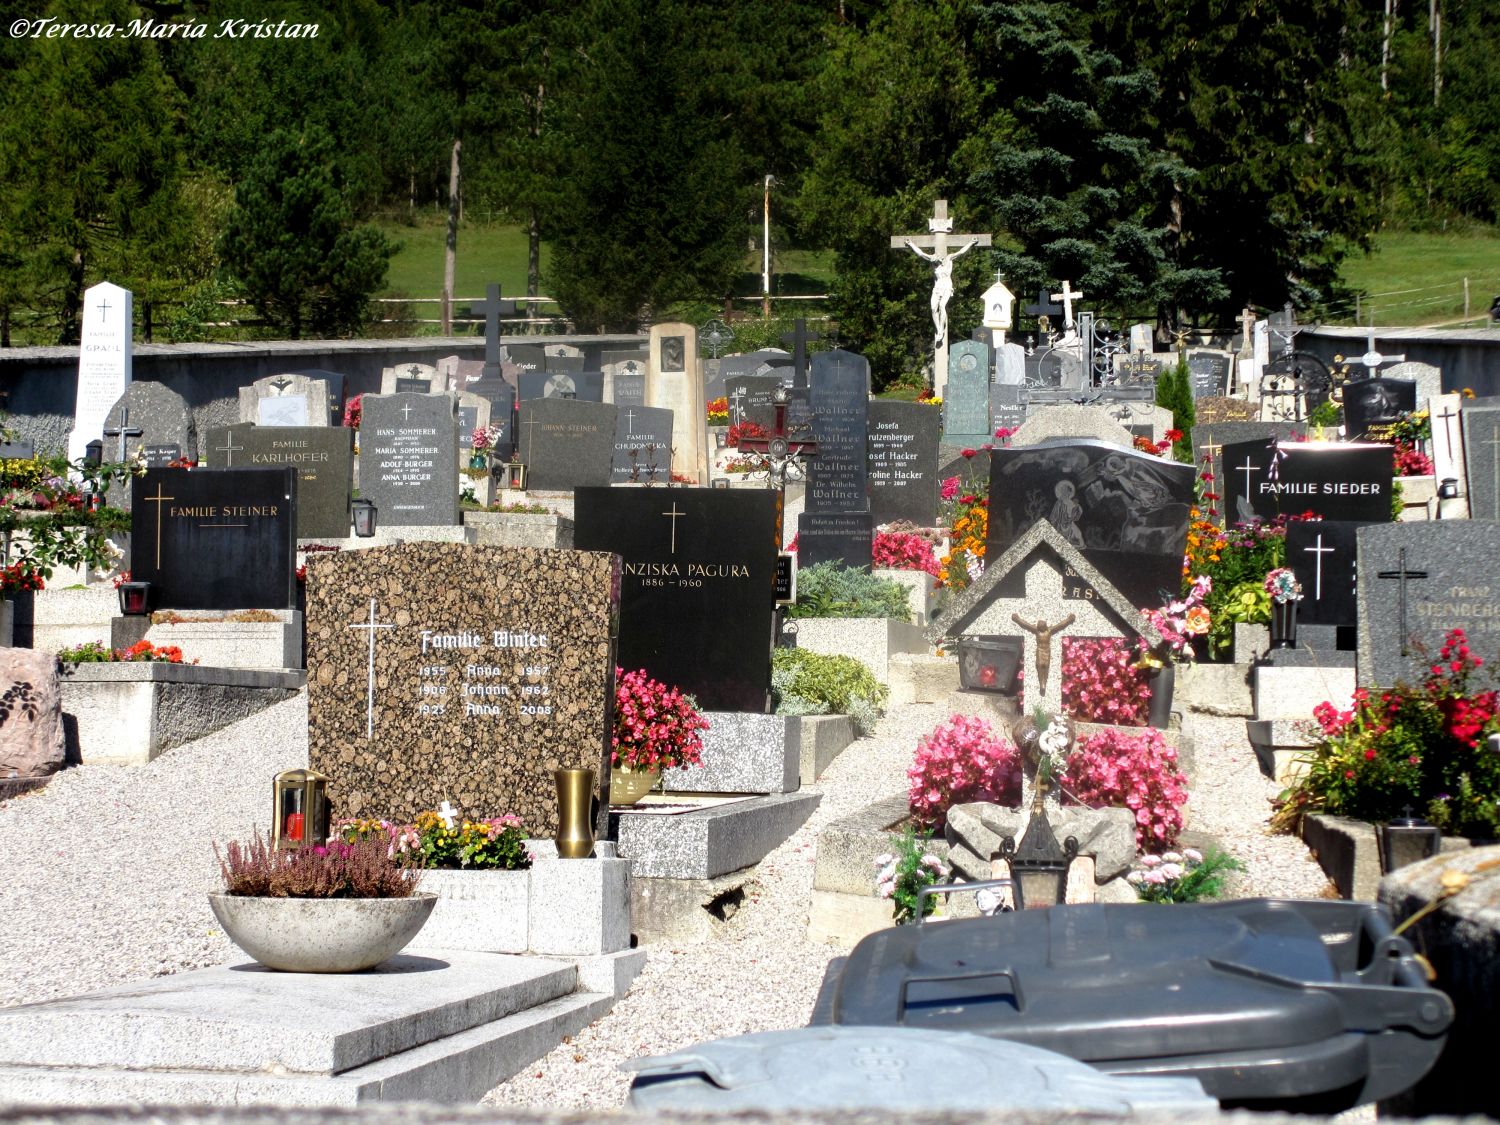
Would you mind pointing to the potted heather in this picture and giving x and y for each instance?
(335, 908)
(656, 727)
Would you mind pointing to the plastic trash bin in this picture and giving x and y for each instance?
(1306, 1005)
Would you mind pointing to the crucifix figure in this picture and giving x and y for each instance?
(1317, 550)
(781, 448)
(944, 247)
(1401, 574)
(1247, 326)
(1067, 297)
(122, 431)
(735, 410)
(1044, 634)
(370, 688)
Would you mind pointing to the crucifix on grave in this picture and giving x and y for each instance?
(1247, 327)
(781, 448)
(941, 247)
(123, 431)
(1401, 574)
(494, 308)
(1067, 297)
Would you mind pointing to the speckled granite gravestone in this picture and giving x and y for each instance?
(439, 671)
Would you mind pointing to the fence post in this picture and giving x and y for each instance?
(1466, 298)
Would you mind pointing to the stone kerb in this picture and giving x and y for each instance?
(228, 643)
(747, 753)
(873, 641)
(519, 529)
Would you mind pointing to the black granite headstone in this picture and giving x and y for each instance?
(1334, 480)
(643, 445)
(527, 357)
(842, 537)
(322, 456)
(468, 422)
(752, 399)
(585, 386)
(903, 452)
(408, 458)
(216, 540)
(566, 443)
(1210, 372)
(696, 593)
(840, 390)
(1128, 512)
(1372, 405)
(568, 363)
(1321, 554)
(407, 385)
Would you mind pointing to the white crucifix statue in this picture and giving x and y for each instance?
(1067, 297)
(1373, 359)
(370, 687)
(940, 246)
(999, 303)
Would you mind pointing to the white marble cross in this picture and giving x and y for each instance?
(1373, 359)
(448, 813)
(370, 688)
(1317, 550)
(945, 246)
(1067, 297)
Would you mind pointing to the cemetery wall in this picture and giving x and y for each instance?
(40, 384)
(1468, 357)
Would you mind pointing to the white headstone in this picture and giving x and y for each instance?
(1429, 379)
(1448, 453)
(1010, 365)
(1142, 338)
(104, 362)
(285, 400)
(674, 381)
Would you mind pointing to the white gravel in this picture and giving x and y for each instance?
(107, 870)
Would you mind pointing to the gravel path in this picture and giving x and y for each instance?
(108, 867)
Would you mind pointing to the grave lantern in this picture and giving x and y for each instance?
(1448, 489)
(299, 810)
(1039, 865)
(135, 598)
(1407, 839)
(719, 482)
(366, 518)
(93, 454)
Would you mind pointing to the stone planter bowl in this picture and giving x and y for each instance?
(321, 935)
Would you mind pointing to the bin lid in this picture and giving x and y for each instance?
(892, 1068)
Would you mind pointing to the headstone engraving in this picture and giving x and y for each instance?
(1322, 555)
(566, 444)
(321, 455)
(413, 378)
(1210, 372)
(642, 446)
(966, 400)
(1371, 406)
(903, 452)
(1336, 481)
(285, 400)
(407, 452)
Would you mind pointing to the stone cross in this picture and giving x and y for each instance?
(944, 247)
(1317, 550)
(799, 337)
(370, 685)
(122, 431)
(494, 308)
(1402, 574)
(1067, 297)
(1247, 326)
(448, 813)
(1373, 359)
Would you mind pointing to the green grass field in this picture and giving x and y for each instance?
(1414, 278)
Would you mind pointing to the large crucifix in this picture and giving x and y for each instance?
(944, 247)
(1067, 297)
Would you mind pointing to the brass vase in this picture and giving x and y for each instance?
(575, 827)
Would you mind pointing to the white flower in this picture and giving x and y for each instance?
(1155, 878)
(1171, 870)
(1150, 861)
(1171, 857)
(885, 889)
(1192, 855)
(887, 873)
(1136, 878)
(931, 861)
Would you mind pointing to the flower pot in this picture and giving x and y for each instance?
(1159, 708)
(626, 787)
(1284, 624)
(321, 935)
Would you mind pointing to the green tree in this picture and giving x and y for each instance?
(293, 245)
(1174, 391)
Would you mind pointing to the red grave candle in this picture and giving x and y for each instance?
(293, 826)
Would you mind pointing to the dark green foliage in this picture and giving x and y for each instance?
(1174, 392)
(811, 683)
(832, 590)
(292, 242)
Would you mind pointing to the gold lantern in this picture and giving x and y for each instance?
(299, 809)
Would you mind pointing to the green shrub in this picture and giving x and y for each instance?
(831, 590)
(809, 683)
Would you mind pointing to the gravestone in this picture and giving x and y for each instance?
(323, 457)
(585, 386)
(643, 445)
(1043, 423)
(336, 383)
(527, 357)
(1142, 418)
(1334, 480)
(413, 378)
(160, 413)
(837, 514)
(1417, 581)
(752, 398)
(625, 383)
(1126, 511)
(207, 539)
(674, 382)
(1010, 365)
(1481, 432)
(1322, 555)
(966, 399)
(1141, 367)
(444, 672)
(1142, 338)
(902, 466)
(460, 372)
(407, 452)
(699, 565)
(285, 400)
(566, 443)
(569, 364)
(1007, 407)
(1210, 373)
(1429, 379)
(104, 362)
(1371, 406)
(841, 537)
(1447, 447)
(473, 414)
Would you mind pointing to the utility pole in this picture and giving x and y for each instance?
(765, 244)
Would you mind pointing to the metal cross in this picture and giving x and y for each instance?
(734, 401)
(1043, 306)
(1067, 297)
(158, 500)
(370, 689)
(1247, 469)
(799, 337)
(715, 334)
(1373, 359)
(1318, 551)
(229, 449)
(674, 514)
(122, 431)
(1402, 574)
(1448, 415)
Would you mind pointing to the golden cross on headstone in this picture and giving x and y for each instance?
(674, 514)
(158, 500)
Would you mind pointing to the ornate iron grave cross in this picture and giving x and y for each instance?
(781, 448)
(716, 334)
(1401, 574)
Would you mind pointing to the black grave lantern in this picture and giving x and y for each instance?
(299, 809)
(93, 454)
(719, 482)
(366, 518)
(135, 598)
(1039, 865)
(1448, 489)
(1407, 839)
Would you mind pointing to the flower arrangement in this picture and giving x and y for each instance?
(486, 438)
(964, 561)
(1102, 682)
(353, 409)
(1113, 769)
(745, 429)
(718, 411)
(1182, 619)
(1424, 746)
(905, 870)
(962, 759)
(903, 550)
(496, 843)
(749, 463)
(19, 577)
(1003, 434)
(1186, 876)
(1282, 586)
(58, 507)
(656, 726)
(143, 651)
(367, 868)
(1409, 461)
(521, 508)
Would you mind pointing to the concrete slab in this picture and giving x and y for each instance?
(710, 841)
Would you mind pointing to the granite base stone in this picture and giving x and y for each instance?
(1281, 747)
(921, 589)
(1293, 692)
(744, 753)
(387, 536)
(1215, 689)
(847, 847)
(680, 911)
(842, 918)
(870, 640)
(708, 842)
(519, 529)
(66, 618)
(1348, 851)
(824, 738)
(235, 644)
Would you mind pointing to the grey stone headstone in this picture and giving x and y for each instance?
(322, 455)
(1452, 581)
(842, 537)
(626, 383)
(285, 400)
(752, 399)
(1007, 407)
(1010, 365)
(569, 363)
(408, 447)
(413, 375)
(162, 416)
(1057, 421)
(903, 454)
(1481, 427)
(966, 398)
(562, 351)
(566, 443)
(473, 412)
(642, 451)
(836, 477)
(527, 357)
(1429, 379)
(584, 386)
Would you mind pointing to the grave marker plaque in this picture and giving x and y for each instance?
(285, 400)
(1321, 554)
(696, 607)
(842, 537)
(643, 445)
(1210, 372)
(445, 672)
(215, 540)
(159, 456)
(411, 377)
(903, 452)
(629, 385)
(408, 450)
(565, 443)
(1007, 407)
(1337, 481)
(407, 385)
(321, 455)
(752, 399)
(966, 399)
(1372, 406)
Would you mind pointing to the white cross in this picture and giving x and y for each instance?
(735, 400)
(370, 689)
(1067, 297)
(944, 247)
(406, 412)
(1247, 469)
(1373, 359)
(448, 813)
(1247, 325)
(629, 419)
(229, 449)
(1317, 552)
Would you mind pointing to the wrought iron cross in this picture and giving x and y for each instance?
(1401, 574)
(122, 431)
